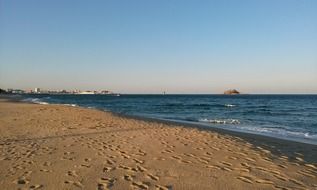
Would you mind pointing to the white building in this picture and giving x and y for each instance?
(37, 90)
(87, 92)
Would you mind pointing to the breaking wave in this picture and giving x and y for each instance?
(220, 121)
(35, 100)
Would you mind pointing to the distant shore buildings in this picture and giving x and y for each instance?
(15, 91)
(40, 91)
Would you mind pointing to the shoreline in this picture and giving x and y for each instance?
(241, 134)
(194, 125)
(198, 125)
(238, 133)
(64, 147)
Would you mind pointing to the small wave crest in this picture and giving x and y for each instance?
(73, 105)
(220, 121)
(279, 132)
(35, 100)
(230, 105)
(196, 105)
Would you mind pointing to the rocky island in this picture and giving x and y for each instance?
(231, 92)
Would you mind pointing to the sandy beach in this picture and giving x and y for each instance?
(64, 147)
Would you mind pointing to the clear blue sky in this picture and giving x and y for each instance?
(150, 46)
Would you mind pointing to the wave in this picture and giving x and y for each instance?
(73, 105)
(220, 121)
(230, 105)
(198, 105)
(184, 104)
(36, 101)
(278, 132)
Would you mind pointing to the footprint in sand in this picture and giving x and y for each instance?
(202, 161)
(153, 177)
(297, 182)
(110, 162)
(45, 170)
(85, 166)
(37, 186)
(107, 169)
(47, 163)
(245, 165)
(215, 148)
(159, 187)
(176, 157)
(125, 167)
(245, 179)
(280, 177)
(75, 183)
(226, 169)
(186, 161)
(138, 161)
(68, 153)
(87, 159)
(21, 181)
(281, 166)
(140, 185)
(264, 181)
(213, 167)
(311, 166)
(141, 153)
(306, 173)
(105, 183)
(261, 169)
(159, 158)
(190, 155)
(281, 187)
(125, 156)
(232, 158)
(140, 168)
(209, 153)
(27, 173)
(249, 159)
(167, 151)
(72, 173)
(128, 177)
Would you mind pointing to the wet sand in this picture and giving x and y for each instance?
(63, 147)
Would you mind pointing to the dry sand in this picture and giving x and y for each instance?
(60, 147)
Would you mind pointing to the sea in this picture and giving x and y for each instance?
(291, 117)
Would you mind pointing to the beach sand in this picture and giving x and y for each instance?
(64, 147)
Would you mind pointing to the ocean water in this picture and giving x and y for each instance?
(292, 117)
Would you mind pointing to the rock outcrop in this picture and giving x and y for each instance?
(231, 92)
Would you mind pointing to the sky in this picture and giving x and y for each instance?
(151, 46)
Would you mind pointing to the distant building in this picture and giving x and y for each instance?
(15, 91)
(29, 91)
(105, 92)
(37, 90)
(87, 92)
(63, 92)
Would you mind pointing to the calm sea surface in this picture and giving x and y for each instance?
(292, 117)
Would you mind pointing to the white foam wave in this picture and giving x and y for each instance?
(278, 132)
(230, 105)
(43, 103)
(220, 121)
(35, 100)
(73, 105)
